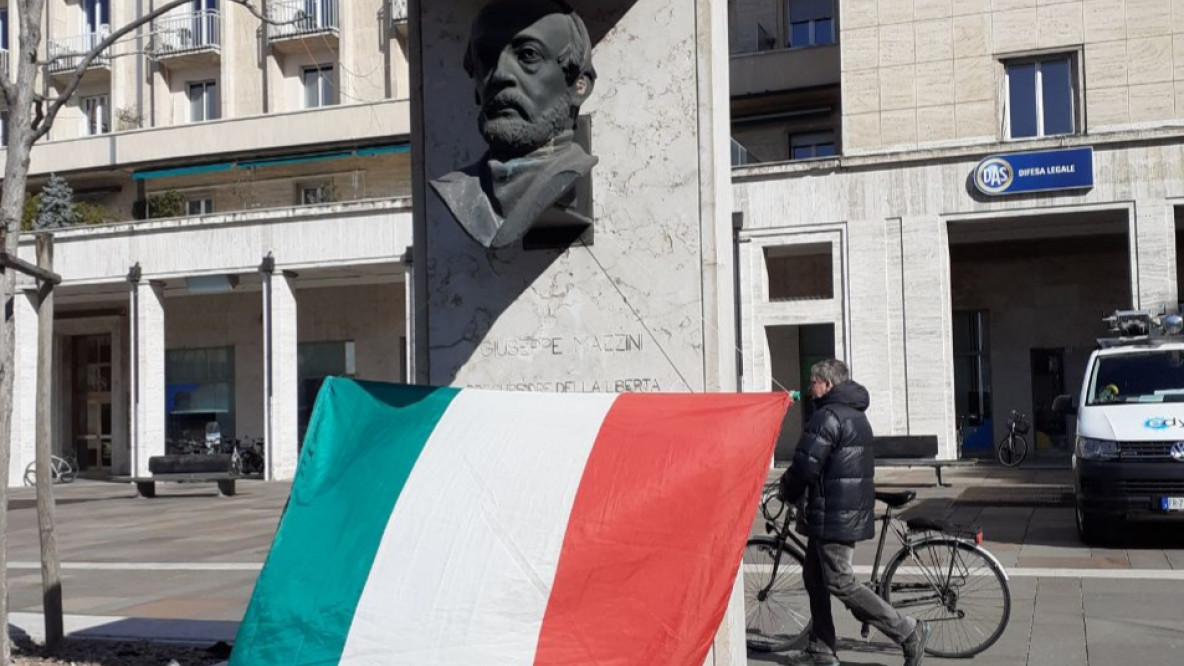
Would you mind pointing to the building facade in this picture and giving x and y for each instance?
(860, 127)
(245, 188)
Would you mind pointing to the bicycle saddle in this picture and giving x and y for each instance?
(896, 500)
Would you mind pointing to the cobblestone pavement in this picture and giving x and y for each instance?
(184, 564)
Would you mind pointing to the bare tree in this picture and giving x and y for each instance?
(30, 116)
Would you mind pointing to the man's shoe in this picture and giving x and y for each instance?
(914, 647)
(807, 658)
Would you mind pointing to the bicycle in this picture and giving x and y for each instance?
(63, 470)
(940, 574)
(1013, 448)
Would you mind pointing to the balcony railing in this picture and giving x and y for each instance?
(297, 18)
(187, 33)
(67, 53)
(398, 11)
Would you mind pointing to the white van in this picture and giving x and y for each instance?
(1128, 464)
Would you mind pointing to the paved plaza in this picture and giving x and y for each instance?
(183, 565)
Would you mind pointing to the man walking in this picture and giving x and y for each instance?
(834, 468)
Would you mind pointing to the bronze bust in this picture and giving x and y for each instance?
(531, 64)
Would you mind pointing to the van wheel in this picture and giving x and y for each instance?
(1090, 528)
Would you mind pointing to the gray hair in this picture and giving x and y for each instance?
(831, 370)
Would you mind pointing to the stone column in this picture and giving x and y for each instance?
(1153, 255)
(281, 392)
(24, 404)
(928, 321)
(147, 381)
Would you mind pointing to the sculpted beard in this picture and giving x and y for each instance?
(516, 136)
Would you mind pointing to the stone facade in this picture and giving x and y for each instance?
(891, 221)
(938, 65)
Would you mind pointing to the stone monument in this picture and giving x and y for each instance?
(642, 297)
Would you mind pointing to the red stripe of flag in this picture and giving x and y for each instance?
(658, 528)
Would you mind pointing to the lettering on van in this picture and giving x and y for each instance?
(1163, 423)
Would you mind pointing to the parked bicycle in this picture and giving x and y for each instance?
(940, 574)
(247, 456)
(63, 470)
(1013, 448)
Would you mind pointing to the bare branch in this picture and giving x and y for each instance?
(89, 57)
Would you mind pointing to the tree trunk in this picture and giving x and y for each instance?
(51, 580)
(12, 200)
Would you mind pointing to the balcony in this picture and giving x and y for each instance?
(292, 22)
(65, 54)
(187, 39)
(399, 12)
(779, 70)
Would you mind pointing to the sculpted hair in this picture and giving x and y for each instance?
(831, 370)
(576, 58)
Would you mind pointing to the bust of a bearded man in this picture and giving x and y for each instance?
(531, 65)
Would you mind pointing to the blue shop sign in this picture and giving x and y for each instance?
(1043, 171)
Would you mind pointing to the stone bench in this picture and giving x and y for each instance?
(191, 468)
(914, 451)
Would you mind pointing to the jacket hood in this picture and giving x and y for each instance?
(849, 393)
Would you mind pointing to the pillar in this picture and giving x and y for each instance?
(280, 380)
(147, 370)
(928, 334)
(1153, 255)
(24, 405)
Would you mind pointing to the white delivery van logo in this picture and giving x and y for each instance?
(1178, 451)
(1162, 423)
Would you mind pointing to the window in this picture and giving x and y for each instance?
(3, 129)
(203, 101)
(320, 86)
(1041, 97)
(4, 28)
(199, 388)
(811, 22)
(97, 113)
(314, 362)
(811, 144)
(98, 16)
(203, 206)
(318, 193)
(800, 272)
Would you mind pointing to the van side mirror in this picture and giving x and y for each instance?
(1065, 405)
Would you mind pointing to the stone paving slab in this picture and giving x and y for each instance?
(192, 556)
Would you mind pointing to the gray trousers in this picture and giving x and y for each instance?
(828, 573)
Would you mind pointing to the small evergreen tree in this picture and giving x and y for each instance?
(55, 207)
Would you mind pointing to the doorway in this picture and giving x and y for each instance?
(1048, 381)
(91, 402)
(792, 351)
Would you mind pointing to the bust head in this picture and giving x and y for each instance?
(531, 64)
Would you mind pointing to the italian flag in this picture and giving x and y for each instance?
(444, 526)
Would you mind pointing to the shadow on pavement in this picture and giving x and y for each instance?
(891, 653)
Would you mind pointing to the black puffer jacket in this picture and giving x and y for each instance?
(836, 464)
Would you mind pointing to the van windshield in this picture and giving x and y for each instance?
(1156, 376)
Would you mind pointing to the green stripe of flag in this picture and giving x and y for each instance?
(352, 469)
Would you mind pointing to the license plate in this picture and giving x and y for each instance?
(1171, 503)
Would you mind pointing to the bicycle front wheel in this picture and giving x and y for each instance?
(776, 605)
(957, 588)
(1012, 450)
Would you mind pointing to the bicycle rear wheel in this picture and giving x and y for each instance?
(776, 607)
(958, 588)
